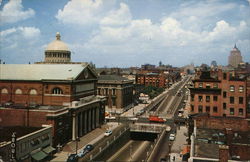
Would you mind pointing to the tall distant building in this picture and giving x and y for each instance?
(235, 57)
(214, 64)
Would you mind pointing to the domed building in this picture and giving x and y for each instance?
(57, 51)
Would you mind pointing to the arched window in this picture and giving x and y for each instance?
(57, 91)
(33, 92)
(4, 91)
(18, 91)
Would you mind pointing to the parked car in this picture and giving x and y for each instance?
(172, 137)
(108, 133)
(72, 158)
(86, 150)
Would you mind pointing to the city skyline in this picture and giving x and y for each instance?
(126, 33)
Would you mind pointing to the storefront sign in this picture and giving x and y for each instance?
(13, 147)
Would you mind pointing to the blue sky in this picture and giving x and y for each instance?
(126, 32)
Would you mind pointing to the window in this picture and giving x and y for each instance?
(208, 109)
(207, 85)
(215, 109)
(215, 98)
(200, 98)
(240, 111)
(200, 85)
(215, 85)
(240, 100)
(224, 106)
(4, 91)
(113, 91)
(192, 97)
(224, 76)
(33, 92)
(241, 88)
(200, 109)
(192, 108)
(18, 91)
(231, 100)
(231, 111)
(207, 98)
(57, 91)
(224, 94)
(231, 88)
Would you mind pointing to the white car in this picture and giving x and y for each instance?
(172, 137)
(108, 133)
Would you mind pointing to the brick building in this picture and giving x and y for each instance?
(118, 91)
(56, 94)
(151, 79)
(219, 138)
(31, 144)
(219, 93)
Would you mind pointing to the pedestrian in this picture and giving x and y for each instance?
(174, 158)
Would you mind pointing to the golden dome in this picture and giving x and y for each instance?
(57, 45)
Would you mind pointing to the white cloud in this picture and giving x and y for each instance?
(21, 45)
(121, 16)
(19, 35)
(248, 1)
(83, 12)
(13, 12)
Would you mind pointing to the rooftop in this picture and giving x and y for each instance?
(40, 71)
(112, 78)
(207, 141)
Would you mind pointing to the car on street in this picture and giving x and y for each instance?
(172, 137)
(85, 150)
(72, 158)
(108, 133)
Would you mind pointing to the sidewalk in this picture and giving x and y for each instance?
(178, 143)
(90, 138)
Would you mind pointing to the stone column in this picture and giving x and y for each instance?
(80, 125)
(89, 120)
(73, 127)
(93, 118)
(85, 122)
(97, 116)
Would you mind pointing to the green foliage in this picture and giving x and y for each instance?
(152, 91)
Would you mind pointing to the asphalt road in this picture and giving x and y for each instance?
(132, 151)
(136, 150)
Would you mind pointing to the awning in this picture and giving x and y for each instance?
(48, 149)
(40, 155)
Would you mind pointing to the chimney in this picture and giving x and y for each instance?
(223, 153)
(229, 135)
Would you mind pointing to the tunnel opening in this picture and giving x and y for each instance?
(142, 136)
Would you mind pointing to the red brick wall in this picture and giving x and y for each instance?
(43, 97)
(222, 123)
(240, 150)
(18, 117)
(236, 94)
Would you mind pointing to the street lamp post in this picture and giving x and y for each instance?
(77, 140)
